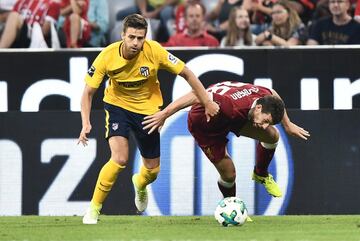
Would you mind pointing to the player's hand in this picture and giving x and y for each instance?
(155, 121)
(84, 131)
(297, 131)
(211, 110)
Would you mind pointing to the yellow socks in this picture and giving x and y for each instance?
(146, 176)
(106, 180)
(94, 206)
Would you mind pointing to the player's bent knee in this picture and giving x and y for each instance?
(227, 174)
(269, 145)
(230, 174)
(119, 160)
(227, 182)
(229, 178)
(273, 136)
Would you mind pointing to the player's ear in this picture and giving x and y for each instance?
(258, 107)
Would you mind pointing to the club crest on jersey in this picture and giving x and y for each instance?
(172, 58)
(144, 71)
(91, 71)
(115, 126)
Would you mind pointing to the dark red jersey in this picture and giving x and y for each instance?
(235, 100)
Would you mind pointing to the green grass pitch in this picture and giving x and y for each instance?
(144, 228)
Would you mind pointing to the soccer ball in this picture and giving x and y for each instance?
(231, 211)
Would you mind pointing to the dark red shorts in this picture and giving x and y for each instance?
(210, 136)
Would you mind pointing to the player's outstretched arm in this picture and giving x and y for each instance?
(290, 127)
(86, 101)
(211, 108)
(157, 120)
(293, 129)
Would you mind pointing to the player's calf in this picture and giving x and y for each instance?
(228, 189)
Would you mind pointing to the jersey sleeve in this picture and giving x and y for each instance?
(97, 71)
(168, 61)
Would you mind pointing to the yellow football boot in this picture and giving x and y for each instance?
(92, 214)
(270, 185)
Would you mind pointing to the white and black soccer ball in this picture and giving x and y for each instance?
(231, 211)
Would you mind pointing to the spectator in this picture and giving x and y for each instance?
(180, 24)
(304, 8)
(153, 9)
(195, 33)
(5, 8)
(239, 33)
(357, 11)
(20, 21)
(76, 26)
(340, 28)
(321, 11)
(98, 16)
(286, 28)
(260, 14)
(219, 17)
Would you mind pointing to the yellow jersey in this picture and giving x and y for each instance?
(133, 84)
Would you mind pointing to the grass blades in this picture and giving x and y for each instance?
(144, 228)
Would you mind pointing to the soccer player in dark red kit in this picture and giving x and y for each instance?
(245, 109)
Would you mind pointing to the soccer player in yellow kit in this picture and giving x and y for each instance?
(133, 93)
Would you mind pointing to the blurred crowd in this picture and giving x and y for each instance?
(85, 23)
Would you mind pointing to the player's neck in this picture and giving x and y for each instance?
(125, 54)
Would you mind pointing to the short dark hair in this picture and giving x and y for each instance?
(135, 21)
(273, 105)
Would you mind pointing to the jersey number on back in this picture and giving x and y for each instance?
(223, 87)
